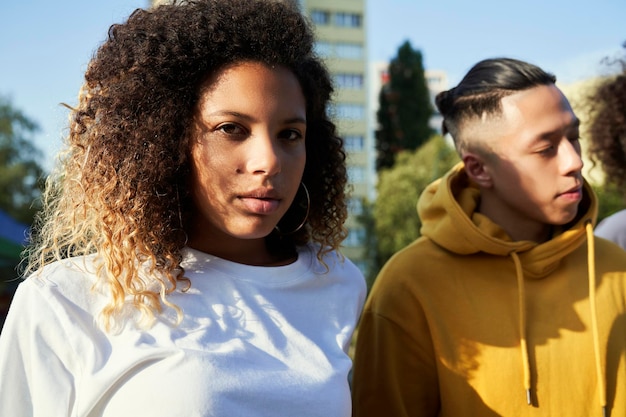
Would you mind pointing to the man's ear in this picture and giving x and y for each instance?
(477, 169)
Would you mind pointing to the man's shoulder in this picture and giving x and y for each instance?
(426, 250)
(414, 267)
(609, 254)
(613, 228)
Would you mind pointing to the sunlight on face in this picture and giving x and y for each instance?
(249, 157)
(536, 171)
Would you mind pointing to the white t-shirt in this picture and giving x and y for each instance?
(613, 228)
(254, 341)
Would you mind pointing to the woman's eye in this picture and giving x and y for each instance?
(231, 129)
(290, 135)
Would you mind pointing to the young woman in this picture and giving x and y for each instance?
(186, 261)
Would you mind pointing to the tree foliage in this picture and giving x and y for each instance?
(20, 172)
(370, 248)
(405, 108)
(396, 223)
(610, 200)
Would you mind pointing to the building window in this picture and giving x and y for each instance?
(356, 174)
(324, 49)
(349, 20)
(356, 237)
(350, 111)
(354, 143)
(339, 50)
(349, 50)
(320, 17)
(349, 81)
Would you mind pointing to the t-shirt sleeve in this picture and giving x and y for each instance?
(37, 364)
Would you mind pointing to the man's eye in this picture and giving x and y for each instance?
(546, 151)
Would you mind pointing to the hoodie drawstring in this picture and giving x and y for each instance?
(522, 323)
(594, 319)
(591, 264)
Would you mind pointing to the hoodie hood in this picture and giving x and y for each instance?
(447, 208)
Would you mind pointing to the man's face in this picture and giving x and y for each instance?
(536, 164)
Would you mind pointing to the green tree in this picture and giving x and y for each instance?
(405, 108)
(610, 200)
(21, 175)
(370, 255)
(395, 218)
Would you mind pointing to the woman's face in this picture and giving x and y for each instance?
(248, 157)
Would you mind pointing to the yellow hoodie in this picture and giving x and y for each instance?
(466, 322)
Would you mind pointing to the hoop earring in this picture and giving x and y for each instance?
(180, 218)
(306, 216)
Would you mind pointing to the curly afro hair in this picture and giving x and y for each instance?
(120, 189)
(607, 130)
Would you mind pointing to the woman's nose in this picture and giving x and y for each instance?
(263, 157)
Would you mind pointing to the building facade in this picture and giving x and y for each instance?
(342, 42)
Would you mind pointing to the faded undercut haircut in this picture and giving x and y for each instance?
(481, 91)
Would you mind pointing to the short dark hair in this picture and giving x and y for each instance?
(482, 89)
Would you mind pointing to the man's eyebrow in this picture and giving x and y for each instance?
(574, 124)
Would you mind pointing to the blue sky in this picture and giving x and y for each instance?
(45, 45)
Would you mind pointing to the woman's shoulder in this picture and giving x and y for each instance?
(70, 269)
(618, 218)
(67, 282)
(318, 255)
(335, 263)
(57, 306)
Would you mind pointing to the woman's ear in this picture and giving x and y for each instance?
(477, 169)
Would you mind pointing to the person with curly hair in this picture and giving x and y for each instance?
(186, 261)
(607, 145)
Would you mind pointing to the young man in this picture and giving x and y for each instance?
(507, 305)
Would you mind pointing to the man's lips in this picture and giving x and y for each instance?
(575, 193)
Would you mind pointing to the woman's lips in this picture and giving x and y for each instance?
(261, 200)
(260, 204)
